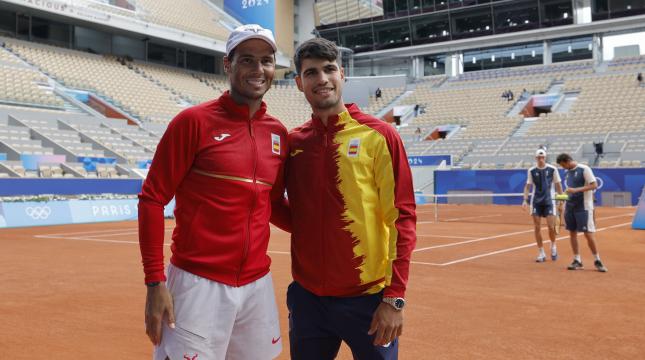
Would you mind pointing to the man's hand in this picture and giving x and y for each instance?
(387, 323)
(525, 205)
(158, 307)
(571, 190)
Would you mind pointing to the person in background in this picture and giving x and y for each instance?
(579, 211)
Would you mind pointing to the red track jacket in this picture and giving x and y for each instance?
(352, 206)
(221, 168)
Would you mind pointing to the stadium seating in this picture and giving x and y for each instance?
(524, 73)
(338, 11)
(484, 123)
(635, 63)
(479, 108)
(387, 96)
(192, 87)
(104, 76)
(23, 86)
(204, 19)
(593, 107)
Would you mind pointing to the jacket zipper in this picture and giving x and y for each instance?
(324, 208)
(245, 250)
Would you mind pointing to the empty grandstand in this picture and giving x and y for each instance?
(456, 101)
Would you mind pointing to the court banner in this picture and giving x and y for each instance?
(68, 186)
(34, 213)
(639, 217)
(88, 211)
(429, 160)
(61, 212)
(513, 181)
(261, 12)
(3, 222)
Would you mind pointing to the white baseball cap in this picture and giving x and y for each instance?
(247, 32)
(540, 152)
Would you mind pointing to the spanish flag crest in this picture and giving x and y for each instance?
(354, 147)
(275, 144)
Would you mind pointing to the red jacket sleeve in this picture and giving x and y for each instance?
(280, 213)
(394, 178)
(172, 160)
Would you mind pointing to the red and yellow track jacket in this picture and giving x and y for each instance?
(224, 170)
(352, 206)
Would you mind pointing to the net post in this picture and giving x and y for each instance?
(436, 208)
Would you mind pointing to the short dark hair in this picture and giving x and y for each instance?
(563, 158)
(316, 48)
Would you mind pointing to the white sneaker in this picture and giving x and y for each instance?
(540, 258)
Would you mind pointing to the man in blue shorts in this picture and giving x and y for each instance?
(580, 182)
(545, 180)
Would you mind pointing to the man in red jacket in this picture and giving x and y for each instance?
(353, 220)
(223, 163)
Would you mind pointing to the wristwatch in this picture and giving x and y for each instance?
(396, 302)
(153, 284)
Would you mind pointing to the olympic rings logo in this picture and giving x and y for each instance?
(600, 183)
(38, 212)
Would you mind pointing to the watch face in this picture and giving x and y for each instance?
(399, 303)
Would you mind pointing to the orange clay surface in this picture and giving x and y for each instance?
(475, 292)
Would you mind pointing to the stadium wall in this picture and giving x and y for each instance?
(639, 217)
(34, 213)
(37, 186)
(513, 181)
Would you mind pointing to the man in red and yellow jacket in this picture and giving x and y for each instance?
(223, 163)
(353, 220)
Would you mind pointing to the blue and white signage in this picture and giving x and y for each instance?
(261, 12)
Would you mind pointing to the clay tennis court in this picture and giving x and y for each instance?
(76, 292)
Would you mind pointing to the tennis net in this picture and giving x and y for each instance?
(474, 208)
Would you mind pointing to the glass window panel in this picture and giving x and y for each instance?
(441, 4)
(556, 12)
(7, 22)
(389, 8)
(162, 54)
(600, 9)
(357, 38)
(50, 32)
(331, 35)
(416, 6)
(401, 7)
(430, 28)
(392, 34)
(572, 49)
(325, 11)
(621, 8)
(504, 57)
(427, 5)
(200, 62)
(517, 16)
(434, 65)
(476, 22)
(23, 26)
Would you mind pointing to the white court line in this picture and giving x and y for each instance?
(522, 247)
(472, 217)
(124, 233)
(92, 232)
(449, 236)
(425, 263)
(459, 219)
(501, 235)
(125, 242)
